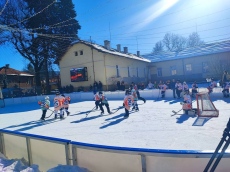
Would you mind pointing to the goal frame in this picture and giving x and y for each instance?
(201, 109)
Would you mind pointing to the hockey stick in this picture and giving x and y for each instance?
(121, 107)
(89, 112)
(50, 114)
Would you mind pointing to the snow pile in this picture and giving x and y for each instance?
(16, 165)
(68, 168)
(20, 165)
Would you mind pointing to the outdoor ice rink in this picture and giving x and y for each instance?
(151, 127)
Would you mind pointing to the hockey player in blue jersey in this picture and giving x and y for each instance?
(44, 107)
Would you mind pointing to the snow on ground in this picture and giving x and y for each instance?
(151, 127)
(20, 165)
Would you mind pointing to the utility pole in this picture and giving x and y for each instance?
(92, 60)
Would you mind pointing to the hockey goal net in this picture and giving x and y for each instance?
(205, 107)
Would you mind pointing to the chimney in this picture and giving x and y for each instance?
(107, 44)
(125, 50)
(138, 53)
(119, 47)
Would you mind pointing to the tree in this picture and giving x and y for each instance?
(194, 40)
(159, 47)
(174, 43)
(41, 31)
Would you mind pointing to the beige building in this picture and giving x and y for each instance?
(86, 62)
(197, 63)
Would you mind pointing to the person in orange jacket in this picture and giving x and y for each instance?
(128, 102)
(97, 100)
(66, 104)
(58, 105)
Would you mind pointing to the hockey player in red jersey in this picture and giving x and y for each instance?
(58, 105)
(97, 100)
(128, 101)
(66, 104)
(135, 97)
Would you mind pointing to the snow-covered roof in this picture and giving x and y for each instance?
(11, 71)
(205, 49)
(112, 51)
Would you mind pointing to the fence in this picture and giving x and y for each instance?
(115, 95)
(48, 152)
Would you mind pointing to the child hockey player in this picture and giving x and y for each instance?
(103, 101)
(211, 86)
(134, 94)
(66, 104)
(194, 89)
(128, 101)
(138, 93)
(58, 105)
(44, 106)
(178, 87)
(226, 87)
(97, 100)
(163, 88)
(187, 104)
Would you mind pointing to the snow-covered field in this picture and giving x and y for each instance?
(154, 126)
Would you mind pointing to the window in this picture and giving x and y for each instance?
(159, 72)
(117, 71)
(137, 71)
(76, 53)
(188, 67)
(81, 52)
(173, 70)
(205, 67)
(128, 72)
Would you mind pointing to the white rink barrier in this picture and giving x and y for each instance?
(48, 152)
(115, 95)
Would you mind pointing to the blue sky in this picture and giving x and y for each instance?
(139, 24)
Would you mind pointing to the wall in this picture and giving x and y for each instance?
(115, 95)
(104, 67)
(217, 64)
(36, 149)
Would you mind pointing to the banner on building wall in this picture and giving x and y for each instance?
(78, 74)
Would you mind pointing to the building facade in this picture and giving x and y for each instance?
(84, 63)
(192, 64)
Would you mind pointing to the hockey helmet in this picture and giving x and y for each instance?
(47, 98)
(100, 92)
(63, 95)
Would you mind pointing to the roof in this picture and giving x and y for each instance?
(11, 71)
(111, 51)
(205, 49)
